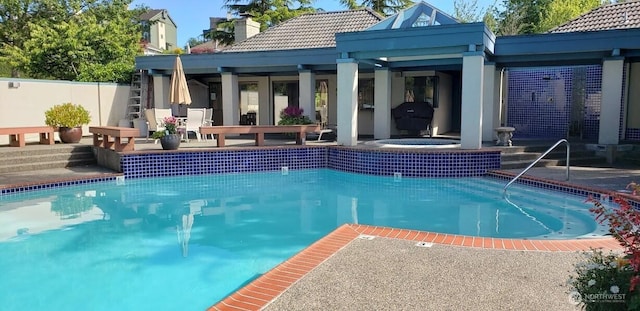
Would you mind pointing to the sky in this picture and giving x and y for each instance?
(192, 16)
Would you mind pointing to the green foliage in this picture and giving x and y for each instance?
(384, 7)
(177, 51)
(67, 115)
(266, 12)
(170, 125)
(79, 40)
(223, 33)
(602, 282)
(562, 11)
(71, 206)
(293, 116)
(537, 16)
(467, 11)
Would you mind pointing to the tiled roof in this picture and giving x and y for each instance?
(316, 30)
(622, 15)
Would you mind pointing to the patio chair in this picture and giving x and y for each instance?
(324, 128)
(155, 118)
(208, 120)
(195, 119)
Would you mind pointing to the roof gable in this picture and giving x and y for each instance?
(420, 14)
(308, 31)
(156, 14)
(624, 15)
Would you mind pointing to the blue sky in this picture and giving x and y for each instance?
(192, 16)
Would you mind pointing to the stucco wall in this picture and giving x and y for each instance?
(26, 104)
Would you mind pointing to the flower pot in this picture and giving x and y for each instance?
(70, 134)
(170, 142)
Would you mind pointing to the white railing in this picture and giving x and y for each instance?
(538, 160)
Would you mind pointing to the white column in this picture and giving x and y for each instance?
(489, 102)
(265, 108)
(161, 85)
(382, 103)
(307, 94)
(230, 99)
(347, 102)
(612, 71)
(472, 90)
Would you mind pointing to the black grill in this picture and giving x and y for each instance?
(413, 117)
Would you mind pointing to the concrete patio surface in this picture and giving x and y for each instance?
(392, 274)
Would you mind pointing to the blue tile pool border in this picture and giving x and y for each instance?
(58, 183)
(440, 163)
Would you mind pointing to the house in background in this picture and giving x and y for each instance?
(244, 28)
(576, 84)
(159, 32)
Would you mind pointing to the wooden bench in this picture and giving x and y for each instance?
(102, 137)
(16, 134)
(259, 130)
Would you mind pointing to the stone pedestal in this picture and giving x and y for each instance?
(504, 135)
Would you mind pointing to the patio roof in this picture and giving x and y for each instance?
(575, 48)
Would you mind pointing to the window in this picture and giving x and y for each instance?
(249, 99)
(322, 99)
(285, 94)
(421, 89)
(365, 93)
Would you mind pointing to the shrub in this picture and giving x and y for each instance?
(67, 115)
(609, 282)
(292, 116)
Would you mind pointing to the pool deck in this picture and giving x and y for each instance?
(359, 267)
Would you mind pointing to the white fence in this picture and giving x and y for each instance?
(23, 102)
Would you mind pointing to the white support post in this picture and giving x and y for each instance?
(307, 97)
(489, 103)
(612, 71)
(347, 102)
(382, 104)
(161, 85)
(230, 99)
(472, 96)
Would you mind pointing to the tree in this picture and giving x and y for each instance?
(80, 40)
(522, 16)
(562, 11)
(269, 12)
(223, 33)
(466, 11)
(384, 7)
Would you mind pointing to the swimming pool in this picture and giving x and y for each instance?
(186, 242)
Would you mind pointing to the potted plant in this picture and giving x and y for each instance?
(293, 116)
(169, 138)
(68, 119)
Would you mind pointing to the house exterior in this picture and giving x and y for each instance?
(359, 66)
(159, 32)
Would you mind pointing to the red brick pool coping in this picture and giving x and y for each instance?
(261, 291)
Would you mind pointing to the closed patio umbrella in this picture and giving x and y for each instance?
(179, 91)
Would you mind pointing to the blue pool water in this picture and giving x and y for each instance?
(184, 243)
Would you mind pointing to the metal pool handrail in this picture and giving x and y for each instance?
(538, 160)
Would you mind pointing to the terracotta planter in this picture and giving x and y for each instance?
(70, 134)
(170, 142)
